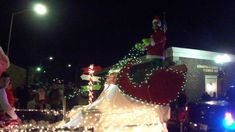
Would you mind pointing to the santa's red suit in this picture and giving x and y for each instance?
(158, 43)
(158, 38)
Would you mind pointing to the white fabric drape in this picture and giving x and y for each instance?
(114, 111)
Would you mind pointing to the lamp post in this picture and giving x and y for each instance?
(38, 8)
(221, 60)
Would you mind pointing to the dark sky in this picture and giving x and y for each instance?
(82, 32)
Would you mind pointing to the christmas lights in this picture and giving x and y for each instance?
(142, 89)
(45, 111)
(90, 77)
(101, 120)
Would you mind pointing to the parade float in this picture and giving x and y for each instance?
(140, 99)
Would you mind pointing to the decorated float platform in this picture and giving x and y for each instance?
(138, 102)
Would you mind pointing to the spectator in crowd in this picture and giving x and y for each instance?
(55, 97)
(181, 104)
(69, 93)
(5, 106)
(32, 103)
(4, 82)
(41, 98)
(38, 99)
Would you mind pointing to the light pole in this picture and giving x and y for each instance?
(221, 60)
(38, 8)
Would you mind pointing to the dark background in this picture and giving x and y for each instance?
(82, 32)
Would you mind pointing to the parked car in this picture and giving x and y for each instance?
(212, 116)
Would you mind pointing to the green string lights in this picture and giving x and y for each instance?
(136, 51)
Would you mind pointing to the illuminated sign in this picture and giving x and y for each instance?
(207, 68)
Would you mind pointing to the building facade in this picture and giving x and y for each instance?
(204, 74)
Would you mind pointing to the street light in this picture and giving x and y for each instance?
(69, 65)
(38, 8)
(38, 69)
(51, 58)
(221, 60)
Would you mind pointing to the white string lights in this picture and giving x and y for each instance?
(90, 77)
(124, 73)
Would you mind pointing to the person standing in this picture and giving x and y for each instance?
(5, 105)
(55, 97)
(41, 98)
(158, 38)
(70, 101)
(4, 83)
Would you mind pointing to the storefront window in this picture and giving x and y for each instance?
(211, 85)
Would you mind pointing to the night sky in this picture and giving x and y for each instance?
(82, 32)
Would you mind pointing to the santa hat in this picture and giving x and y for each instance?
(157, 20)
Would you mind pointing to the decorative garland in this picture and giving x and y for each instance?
(134, 54)
(133, 57)
(136, 51)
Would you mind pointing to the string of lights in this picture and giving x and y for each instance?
(137, 51)
(145, 84)
(90, 77)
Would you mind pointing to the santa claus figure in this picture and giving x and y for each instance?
(158, 39)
